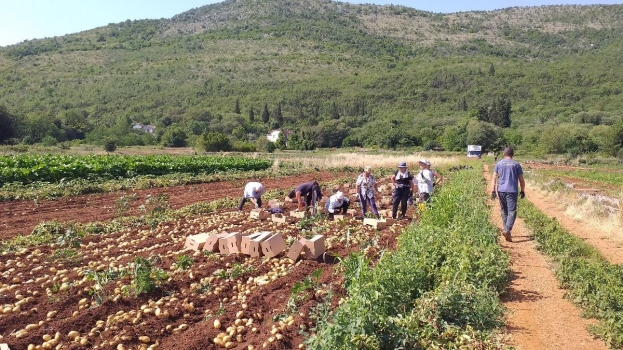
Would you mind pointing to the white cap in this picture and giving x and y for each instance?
(339, 195)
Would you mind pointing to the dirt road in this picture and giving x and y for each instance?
(538, 315)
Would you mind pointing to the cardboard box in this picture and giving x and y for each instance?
(245, 243)
(259, 214)
(4, 346)
(377, 224)
(339, 217)
(273, 245)
(196, 242)
(299, 214)
(385, 213)
(289, 200)
(297, 249)
(282, 218)
(211, 244)
(230, 244)
(316, 246)
(255, 250)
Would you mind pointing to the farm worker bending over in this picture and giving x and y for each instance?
(337, 204)
(309, 190)
(252, 191)
(366, 188)
(403, 182)
(425, 181)
(506, 174)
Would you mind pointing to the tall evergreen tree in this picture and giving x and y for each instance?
(237, 108)
(265, 114)
(279, 115)
(8, 127)
(251, 115)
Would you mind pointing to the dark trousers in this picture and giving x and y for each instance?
(244, 200)
(508, 203)
(364, 205)
(401, 196)
(342, 209)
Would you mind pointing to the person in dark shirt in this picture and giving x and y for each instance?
(403, 183)
(308, 190)
(507, 175)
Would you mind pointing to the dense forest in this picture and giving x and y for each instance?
(219, 77)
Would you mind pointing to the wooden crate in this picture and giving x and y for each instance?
(273, 245)
(282, 218)
(259, 214)
(299, 214)
(196, 242)
(377, 224)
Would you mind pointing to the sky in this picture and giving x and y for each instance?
(36, 19)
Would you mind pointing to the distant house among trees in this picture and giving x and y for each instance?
(145, 128)
(273, 136)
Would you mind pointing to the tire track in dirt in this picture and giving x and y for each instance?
(539, 317)
(610, 246)
(20, 217)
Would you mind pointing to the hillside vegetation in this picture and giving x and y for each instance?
(545, 79)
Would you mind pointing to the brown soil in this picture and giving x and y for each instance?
(539, 316)
(20, 217)
(164, 244)
(607, 244)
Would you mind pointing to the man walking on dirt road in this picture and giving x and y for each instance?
(506, 174)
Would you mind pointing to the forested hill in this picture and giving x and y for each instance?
(542, 78)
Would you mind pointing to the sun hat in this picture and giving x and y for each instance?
(424, 161)
(402, 165)
(367, 169)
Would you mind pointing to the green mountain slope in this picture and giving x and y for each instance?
(340, 74)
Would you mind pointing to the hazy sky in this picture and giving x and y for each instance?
(34, 19)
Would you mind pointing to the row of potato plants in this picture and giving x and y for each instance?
(27, 168)
(439, 289)
(593, 283)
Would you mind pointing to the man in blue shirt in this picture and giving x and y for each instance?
(506, 174)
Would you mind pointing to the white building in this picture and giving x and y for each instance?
(274, 135)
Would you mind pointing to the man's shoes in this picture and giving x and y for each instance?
(507, 236)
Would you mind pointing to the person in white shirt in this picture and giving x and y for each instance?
(366, 188)
(337, 204)
(424, 181)
(253, 191)
(436, 176)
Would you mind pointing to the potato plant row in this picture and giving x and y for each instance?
(592, 282)
(439, 289)
(27, 168)
(137, 288)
